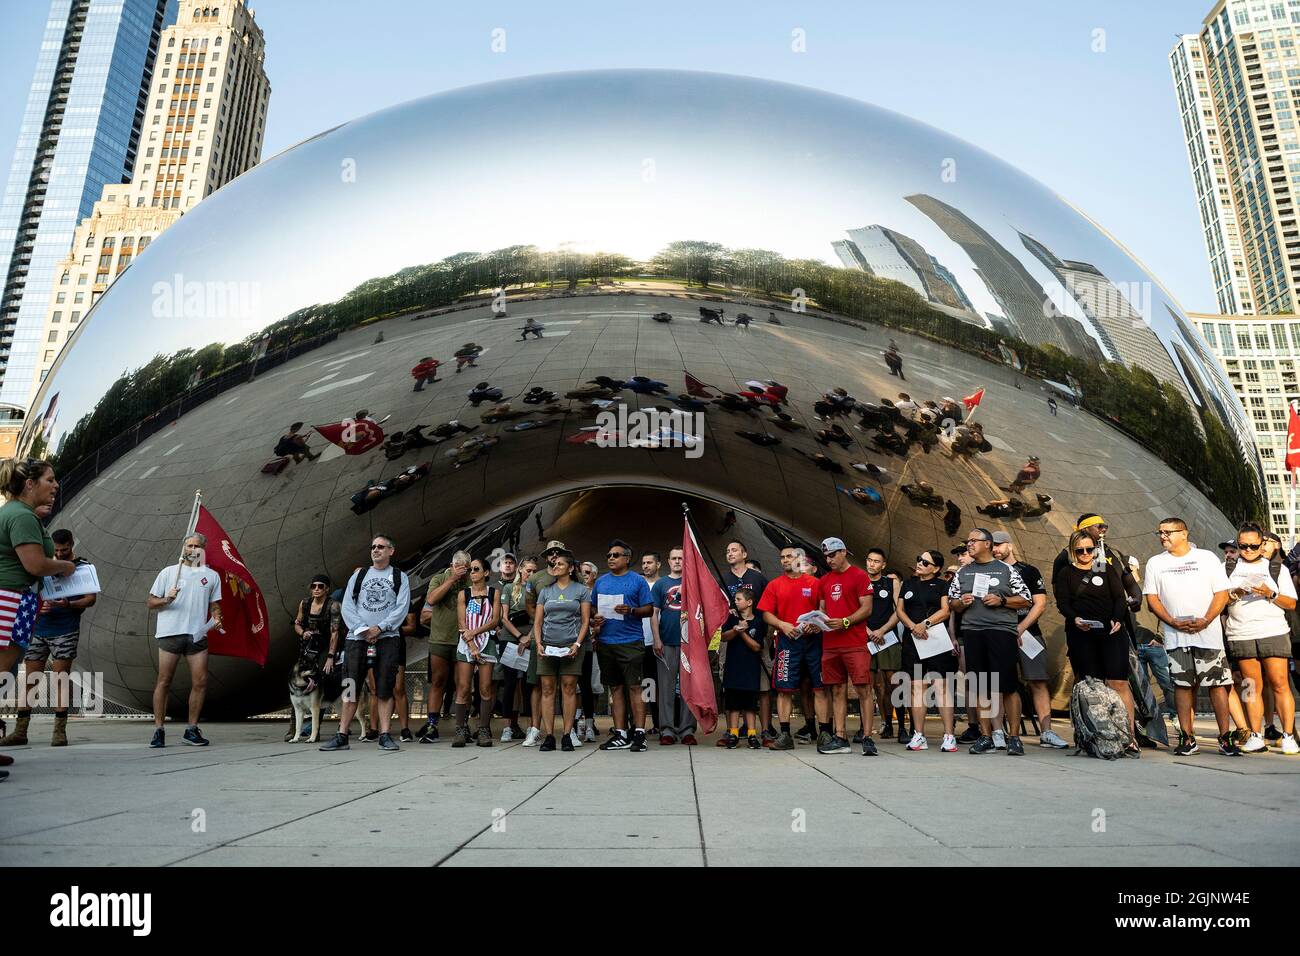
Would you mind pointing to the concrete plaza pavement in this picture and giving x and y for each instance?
(250, 799)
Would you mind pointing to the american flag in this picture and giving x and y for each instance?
(17, 616)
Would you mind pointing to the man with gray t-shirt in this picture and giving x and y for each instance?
(987, 594)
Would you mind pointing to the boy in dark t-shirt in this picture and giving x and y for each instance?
(743, 634)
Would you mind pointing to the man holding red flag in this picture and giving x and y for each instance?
(705, 608)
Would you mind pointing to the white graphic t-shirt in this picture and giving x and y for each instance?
(1186, 586)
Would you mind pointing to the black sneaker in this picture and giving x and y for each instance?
(783, 742)
(903, 735)
(616, 742)
(836, 745)
(824, 740)
(430, 734)
(1014, 747)
(755, 742)
(1272, 734)
(969, 735)
(806, 734)
(194, 738)
(406, 736)
(869, 747)
(461, 738)
(1227, 747)
(337, 742)
(857, 738)
(888, 729)
(566, 743)
(1186, 747)
(730, 740)
(386, 742)
(159, 738)
(548, 744)
(371, 736)
(984, 745)
(638, 742)
(421, 731)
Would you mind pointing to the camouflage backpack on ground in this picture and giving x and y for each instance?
(1100, 720)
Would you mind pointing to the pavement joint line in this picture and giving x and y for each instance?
(868, 800)
(699, 818)
(285, 823)
(550, 780)
(60, 826)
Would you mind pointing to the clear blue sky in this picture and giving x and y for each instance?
(1018, 78)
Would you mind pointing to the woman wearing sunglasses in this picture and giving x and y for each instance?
(1259, 637)
(318, 623)
(921, 603)
(479, 609)
(1093, 605)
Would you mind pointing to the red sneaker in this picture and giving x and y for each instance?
(666, 740)
(689, 740)
(5, 760)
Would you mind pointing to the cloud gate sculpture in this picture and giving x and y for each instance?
(684, 241)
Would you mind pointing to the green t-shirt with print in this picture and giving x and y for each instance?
(19, 525)
(444, 628)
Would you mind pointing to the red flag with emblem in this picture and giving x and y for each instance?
(1292, 460)
(697, 388)
(244, 631)
(355, 436)
(972, 401)
(705, 608)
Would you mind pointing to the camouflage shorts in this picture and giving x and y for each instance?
(59, 647)
(1190, 666)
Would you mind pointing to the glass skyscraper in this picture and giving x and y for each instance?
(80, 132)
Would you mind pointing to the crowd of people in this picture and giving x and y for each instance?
(539, 639)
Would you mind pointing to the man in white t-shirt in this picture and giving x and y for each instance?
(186, 596)
(1259, 635)
(1187, 590)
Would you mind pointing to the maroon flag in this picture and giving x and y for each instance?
(355, 436)
(705, 608)
(1291, 461)
(244, 631)
(697, 388)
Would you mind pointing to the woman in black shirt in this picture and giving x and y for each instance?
(1092, 603)
(922, 602)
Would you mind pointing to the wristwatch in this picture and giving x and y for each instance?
(845, 624)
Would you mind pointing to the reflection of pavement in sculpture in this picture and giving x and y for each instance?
(294, 524)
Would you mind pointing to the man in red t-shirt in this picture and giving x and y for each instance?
(846, 601)
(798, 647)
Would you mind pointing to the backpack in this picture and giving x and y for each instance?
(1100, 720)
(359, 576)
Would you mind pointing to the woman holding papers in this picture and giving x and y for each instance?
(560, 628)
(929, 658)
(478, 608)
(1093, 605)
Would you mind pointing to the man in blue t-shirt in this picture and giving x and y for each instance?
(54, 638)
(666, 626)
(621, 598)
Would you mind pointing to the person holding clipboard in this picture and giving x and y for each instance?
(922, 606)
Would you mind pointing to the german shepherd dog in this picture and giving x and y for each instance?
(311, 690)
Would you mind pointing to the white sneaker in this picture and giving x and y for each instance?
(919, 742)
(949, 745)
(1289, 746)
(533, 737)
(590, 736)
(1255, 744)
(1049, 739)
(575, 737)
(999, 740)
(507, 735)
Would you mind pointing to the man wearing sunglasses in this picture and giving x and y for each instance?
(622, 599)
(1187, 590)
(375, 603)
(987, 596)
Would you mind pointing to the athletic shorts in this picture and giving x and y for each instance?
(840, 664)
(560, 666)
(59, 647)
(388, 657)
(1279, 646)
(890, 659)
(795, 660)
(1103, 656)
(181, 644)
(993, 654)
(1190, 666)
(1034, 668)
(17, 616)
(739, 700)
(621, 665)
(489, 655)
(445, 652)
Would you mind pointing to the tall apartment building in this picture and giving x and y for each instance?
(203, 126)
(1238, 85)
(1261, 355)
(80, 131)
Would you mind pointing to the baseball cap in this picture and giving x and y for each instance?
(831, 545)
(511, 555)
(1224, 545)
(960, 549)
(554, 546)
(1001, 537)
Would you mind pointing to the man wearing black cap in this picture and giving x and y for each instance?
(987, 595)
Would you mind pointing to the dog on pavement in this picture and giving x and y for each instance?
(311, 690)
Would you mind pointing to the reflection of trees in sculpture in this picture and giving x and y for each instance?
(1154, 413)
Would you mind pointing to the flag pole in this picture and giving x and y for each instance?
(708, 555)
(189, 530)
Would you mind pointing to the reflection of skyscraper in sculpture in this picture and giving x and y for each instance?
(884, 258)
(963, 302)
(1125, 335)
(849, 255)
(1229, 412)
(1030, 313)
